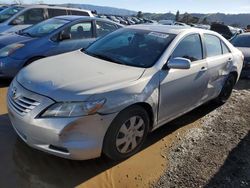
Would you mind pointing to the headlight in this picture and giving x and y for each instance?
(8, 50)
(73, 109)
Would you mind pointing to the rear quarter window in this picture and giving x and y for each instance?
(213, 45)
(79, 13)
(225, 48)
(56, 12)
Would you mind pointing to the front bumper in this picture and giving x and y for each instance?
(9, 67)
(73, 138)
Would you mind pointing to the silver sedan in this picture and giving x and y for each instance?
(107, 98)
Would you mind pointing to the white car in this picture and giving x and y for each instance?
(19, 17)
(106, 99)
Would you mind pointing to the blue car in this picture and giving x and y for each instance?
(50, 37)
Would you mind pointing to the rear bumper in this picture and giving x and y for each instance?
(73, 138)
(9, 67)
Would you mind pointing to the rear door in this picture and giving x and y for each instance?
(219, 59)
(182, 90)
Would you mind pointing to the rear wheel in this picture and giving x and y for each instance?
(126, 133)
(226, 90)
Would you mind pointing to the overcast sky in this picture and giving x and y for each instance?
(162, 6)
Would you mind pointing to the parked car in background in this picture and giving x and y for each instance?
(149, 21)
(242, 42)
(235, 30)
(20, 17)
(203, 26)
(3, 7)
(113, 18)
(136, 20)
(171, 22)
(50, 37)
(122, 21)
(107, 98)
(222, 29)
(130, 21)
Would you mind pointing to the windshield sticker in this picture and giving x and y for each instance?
(161, 35)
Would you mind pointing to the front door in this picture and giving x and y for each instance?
(182, 90)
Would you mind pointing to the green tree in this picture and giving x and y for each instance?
(186, 18)
(139, 14)
(177, 16)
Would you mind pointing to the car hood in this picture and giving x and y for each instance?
(245, 51)
(76, 76)
(8, 39)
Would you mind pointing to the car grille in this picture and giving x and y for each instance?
(22, 105)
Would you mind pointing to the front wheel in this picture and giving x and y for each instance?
(226, 90)
(126, 133)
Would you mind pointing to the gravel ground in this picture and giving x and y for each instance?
(217, 154)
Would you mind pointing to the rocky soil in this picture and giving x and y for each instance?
(217, 154)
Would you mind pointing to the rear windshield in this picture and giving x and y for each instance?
(9, 12)
(241, 41)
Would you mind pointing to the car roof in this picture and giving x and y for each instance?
(171, 29)
(50, 6)
(86, 18)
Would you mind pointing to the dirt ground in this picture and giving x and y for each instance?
(216, 154)
(201, 148)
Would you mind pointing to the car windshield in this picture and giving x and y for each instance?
(241, 41)
(9, 12)
(133, 47)
(44, 28)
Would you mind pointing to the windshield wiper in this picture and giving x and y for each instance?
(104, 57)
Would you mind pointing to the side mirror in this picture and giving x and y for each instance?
(64, 36)
(179, 63)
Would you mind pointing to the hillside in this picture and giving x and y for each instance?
(231, 19)
(102, 9)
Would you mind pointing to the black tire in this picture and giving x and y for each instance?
(110, 148)
(226, 90)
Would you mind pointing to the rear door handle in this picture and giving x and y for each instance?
(230, 59)
(203, 68)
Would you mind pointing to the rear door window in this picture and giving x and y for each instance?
(79, 13)
(190, 48)
(82, 30)
(56, 12)
(32, 16)
(213, 45)
(103, 28)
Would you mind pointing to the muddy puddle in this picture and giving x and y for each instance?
(3, 109)
(141, 170)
